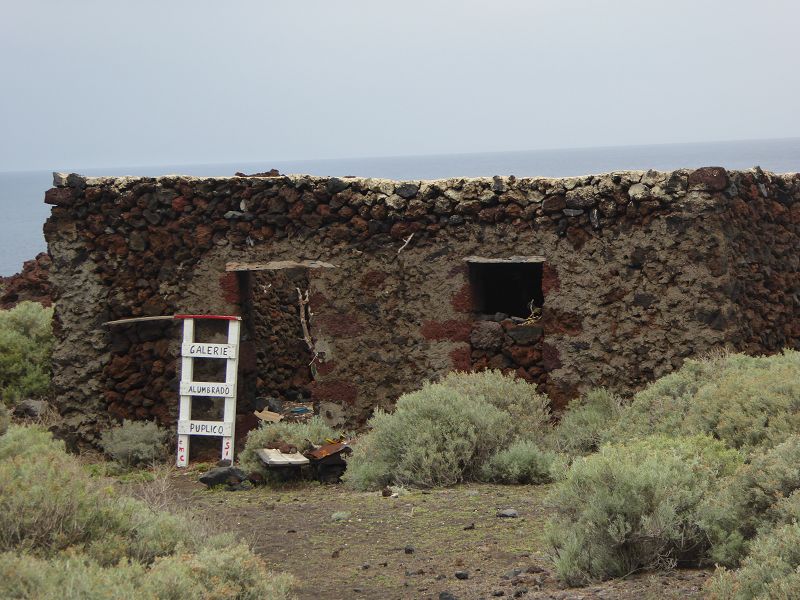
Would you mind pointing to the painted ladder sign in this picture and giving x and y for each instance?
(191, 349)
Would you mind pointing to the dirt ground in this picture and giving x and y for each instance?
(408, 547)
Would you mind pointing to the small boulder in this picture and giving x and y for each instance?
(486, 335)
(30, 408)
(525, 334)
(507, 513)
(407, 190)
(223, 475)
(709, 179)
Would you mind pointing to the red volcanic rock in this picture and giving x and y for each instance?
(31, 283)
(460, 358)
(339, 392)
(59, 196)
(525, 356)
(452, 330)
(709, 179)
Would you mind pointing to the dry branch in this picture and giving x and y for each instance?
(304, 318)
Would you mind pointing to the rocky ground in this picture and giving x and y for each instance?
(438, 544)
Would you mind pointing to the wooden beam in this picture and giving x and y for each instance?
(277, 265)
(140, 320)
(510, 259)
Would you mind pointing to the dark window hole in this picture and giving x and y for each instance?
(511, 288)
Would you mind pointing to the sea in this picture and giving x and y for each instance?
(24, 212)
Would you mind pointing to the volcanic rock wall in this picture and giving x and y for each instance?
(641, 270)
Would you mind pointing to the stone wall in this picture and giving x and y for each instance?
(641, 270)
(31, 284)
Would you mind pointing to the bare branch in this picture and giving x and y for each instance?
(304, 315)
(406, 241)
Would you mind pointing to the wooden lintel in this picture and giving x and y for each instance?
(510, 259)
(276, 265)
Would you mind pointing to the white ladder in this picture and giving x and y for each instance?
(190, 349)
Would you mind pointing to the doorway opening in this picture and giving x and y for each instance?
(276, 352)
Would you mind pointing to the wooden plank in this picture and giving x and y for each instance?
(277, 265)
(216, 428)
(210, 389)
(231, 368)
(510, 259)
(201, 350)
(140, 320)
(185, 407)
(268, 416)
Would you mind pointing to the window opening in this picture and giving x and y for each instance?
(511, 286)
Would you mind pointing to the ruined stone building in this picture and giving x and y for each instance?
(624, 275)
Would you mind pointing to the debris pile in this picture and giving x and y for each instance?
(326, 461)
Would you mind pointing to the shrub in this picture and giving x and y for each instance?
(51, 509)
(48, 503)
(758, 496)
(135, 442)
(522, 462)
(436, 436)
(301, 435)
(4, 418)
(770, 571)
(586, 421)
(231, 573)
(634, 506)
(530, 410)
(26, 344)
(745, 401)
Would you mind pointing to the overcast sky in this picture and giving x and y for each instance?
(145, 82)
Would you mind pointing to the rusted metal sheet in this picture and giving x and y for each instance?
(329, 450)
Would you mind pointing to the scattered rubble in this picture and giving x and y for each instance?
(327, 461)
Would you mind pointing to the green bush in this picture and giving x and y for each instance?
(522, 462)
(59, 530)
(530, 410)
(4, 418)
(585, 422)
(227, 574)
(301, 435)
(747, 402)
(135, 442)
(26, 344)
(48, 503)
(635, 506)
(770, 572)
(758, 496)
(435, 436)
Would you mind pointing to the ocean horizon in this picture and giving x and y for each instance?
(22, 192)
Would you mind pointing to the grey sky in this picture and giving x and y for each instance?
(107, 83)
